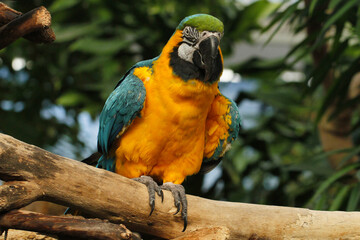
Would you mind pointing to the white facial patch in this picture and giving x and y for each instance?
(186, 52)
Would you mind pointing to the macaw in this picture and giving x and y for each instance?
(166, 118)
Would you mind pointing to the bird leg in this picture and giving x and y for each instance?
(178, 192)
(152, 187)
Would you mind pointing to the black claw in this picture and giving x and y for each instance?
(6, 234)
(184, 213)
(179, 195)
(185, 222)
(160, 194)
(151, 203)
(152, 209)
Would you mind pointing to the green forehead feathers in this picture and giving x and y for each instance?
(202, 22)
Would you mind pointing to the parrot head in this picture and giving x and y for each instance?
(196, 54)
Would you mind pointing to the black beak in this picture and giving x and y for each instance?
(209, 48)
(206, 56)
(214, 44)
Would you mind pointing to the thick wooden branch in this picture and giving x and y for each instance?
(7, 14)
(33, 26)
(121, 200)
(65, 226)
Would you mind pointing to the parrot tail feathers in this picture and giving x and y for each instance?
(72, 211)
(106, 163)
(93, 159)
(100, 161)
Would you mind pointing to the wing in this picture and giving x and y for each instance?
(222, 128)
(122, 106)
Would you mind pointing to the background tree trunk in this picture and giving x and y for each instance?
(335, 133)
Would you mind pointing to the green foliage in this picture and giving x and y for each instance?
(97, 41)
(278, 158)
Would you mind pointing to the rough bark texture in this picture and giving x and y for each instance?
(7, 14)
(24, 235)
(33, 26)
(32, 173)
(65, 226)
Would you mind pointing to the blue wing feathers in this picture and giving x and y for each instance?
(122, 106)
(235, 125)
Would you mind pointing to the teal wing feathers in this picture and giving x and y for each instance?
(122, 106)
(210, 163)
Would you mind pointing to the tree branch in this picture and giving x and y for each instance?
(7, 14)
(120, 200)
(18, 194)
(65, 226)
(33, 26)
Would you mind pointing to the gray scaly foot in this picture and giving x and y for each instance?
(152, 187)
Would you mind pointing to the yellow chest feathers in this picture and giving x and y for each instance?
(168, 140)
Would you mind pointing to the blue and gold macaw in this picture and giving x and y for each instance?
(166, 119)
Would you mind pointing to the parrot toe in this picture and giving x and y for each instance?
(178, 192)
(152, 187)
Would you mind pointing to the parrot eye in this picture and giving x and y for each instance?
(191, 34)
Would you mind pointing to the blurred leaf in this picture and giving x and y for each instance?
(68, 33)
(321, 204)
(312, 6)
(354, 198)
(324, 155)
(327, 183)
(99, 46)
(339, 198)
(334, 3)
(71, 98)
(357, 26)
(275, 19)
(344, 105)
(319, 74)
(91, 63)
(354, 152)
(251, 15)
(281, 19)
(339, 85)
(60, 5)
(318, 166)
(235, 178)
(338, 14)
